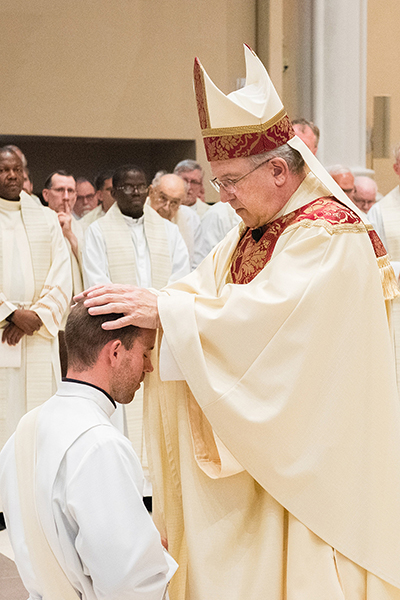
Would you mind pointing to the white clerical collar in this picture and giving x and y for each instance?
(10, 204)
(74, 388)
(131, 222)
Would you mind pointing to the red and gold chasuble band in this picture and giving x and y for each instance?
(238, 142)
(250, 257)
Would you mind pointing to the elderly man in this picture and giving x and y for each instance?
(365, 191)
(344, 178)
(82, 530)
(191, 172)
(273, 409)
(167, 195)
(60, 195)
(35, 289)
(86, 199)
(307, 132)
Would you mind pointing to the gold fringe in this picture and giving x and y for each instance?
(389, 282)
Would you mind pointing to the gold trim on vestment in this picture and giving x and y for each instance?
(332, 229)
(57, 287)
(240, 129)
(42, 305)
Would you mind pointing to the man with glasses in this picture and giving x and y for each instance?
(192, 173)
(273, 413)
(86, 199)
(167, 194)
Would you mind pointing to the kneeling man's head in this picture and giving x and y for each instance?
(115, 360)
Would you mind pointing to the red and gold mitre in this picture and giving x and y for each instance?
(249, 121)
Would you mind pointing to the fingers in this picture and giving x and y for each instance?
(12, 335)
(104, 305)
(122, 322)
(90, 291)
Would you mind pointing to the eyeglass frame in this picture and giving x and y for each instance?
(135, 187)
(217, 185)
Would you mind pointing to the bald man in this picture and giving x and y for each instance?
(344, 178)
(365, 190)
(167, 195)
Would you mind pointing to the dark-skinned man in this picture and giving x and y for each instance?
(35, 289)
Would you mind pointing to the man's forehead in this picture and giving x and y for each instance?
(134, 177)
(63, 180)
(172, 189)
(234, 167)
(10, 158)
(196, 173)
(147, 337)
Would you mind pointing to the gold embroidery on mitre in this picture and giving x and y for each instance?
(201, 96)
(242, 129)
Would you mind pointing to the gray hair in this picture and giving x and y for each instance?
(185, 166)
(292, 157)
(304, 123)
(157, 177)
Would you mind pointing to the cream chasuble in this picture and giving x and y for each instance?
(276, 462)
(34, 274)
(389, 207)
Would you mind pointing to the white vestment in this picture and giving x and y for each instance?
(216, 223)
(89, 497)
(95, 257)
(385, 217)
(35, 274)
(190, 228)
(92, 216)
(200, 207)
(276, 461)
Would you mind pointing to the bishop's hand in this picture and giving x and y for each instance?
(138, 305)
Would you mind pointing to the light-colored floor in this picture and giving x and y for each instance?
(11, 587)
(5, 546)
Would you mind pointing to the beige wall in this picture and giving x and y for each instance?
(383, 62)
(120, 69)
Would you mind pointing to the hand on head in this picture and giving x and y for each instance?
(138, 305)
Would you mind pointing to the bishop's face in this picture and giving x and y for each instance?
(255, 197)
(130, 194)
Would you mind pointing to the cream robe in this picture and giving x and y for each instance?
(220, 219)
(34, 273)
(385, 216)
(295, 491)
(190, 228)
(91, 217)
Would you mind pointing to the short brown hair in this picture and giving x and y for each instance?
(85, 337)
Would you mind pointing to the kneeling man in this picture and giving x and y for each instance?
(86, 482)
